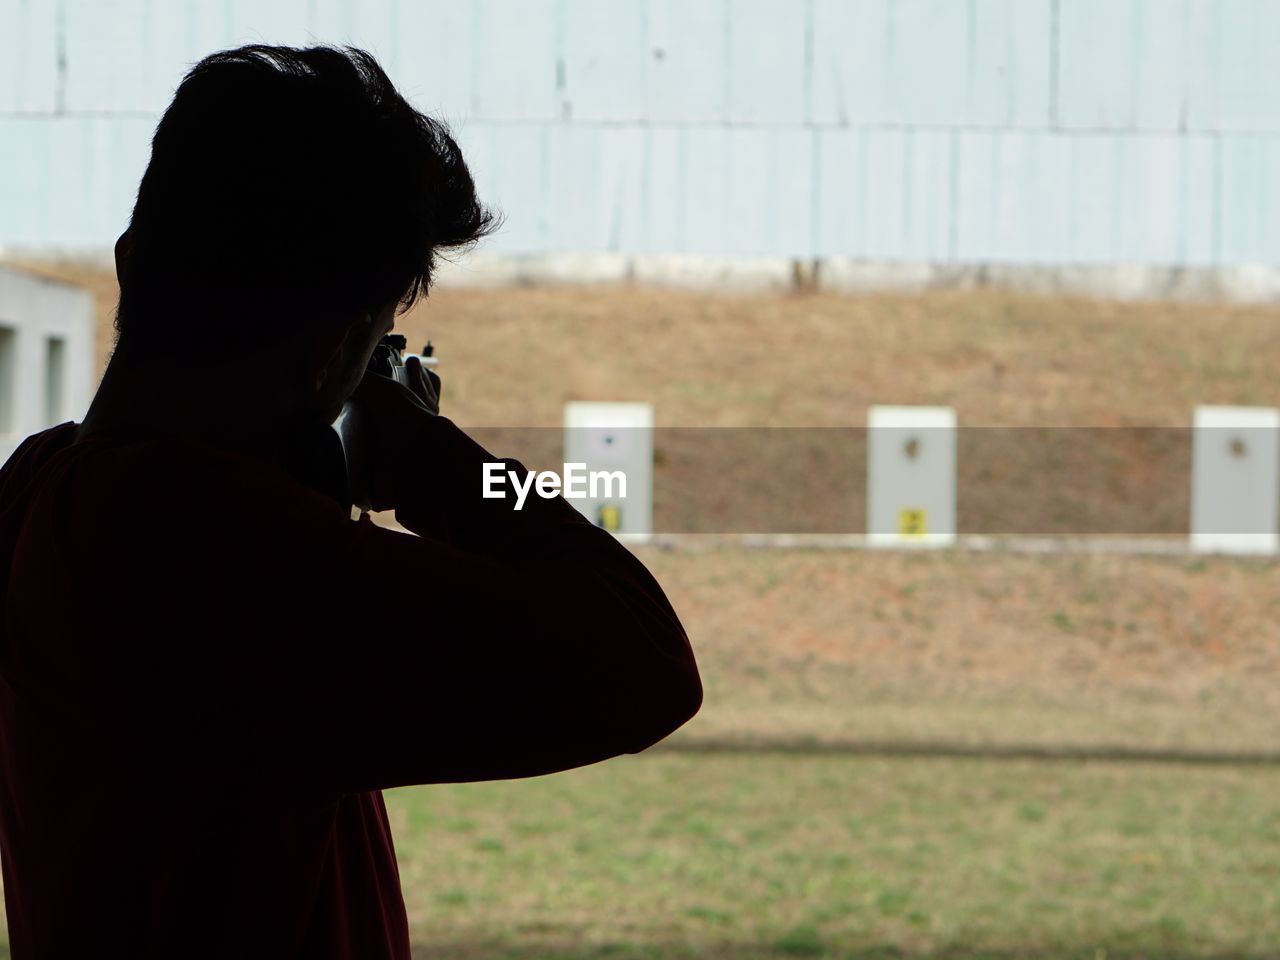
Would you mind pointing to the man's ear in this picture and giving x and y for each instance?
(123, 243)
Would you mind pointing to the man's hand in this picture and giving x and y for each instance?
(392, 411)
(424, 383)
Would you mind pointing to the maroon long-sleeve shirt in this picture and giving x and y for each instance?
(208, 672)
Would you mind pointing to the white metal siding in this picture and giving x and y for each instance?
(1036, 131)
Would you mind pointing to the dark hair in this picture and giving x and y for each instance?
(286, 186)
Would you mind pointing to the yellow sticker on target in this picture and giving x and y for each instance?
(911, 522)
(610, 517)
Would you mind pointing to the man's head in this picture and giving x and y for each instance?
(293, 202)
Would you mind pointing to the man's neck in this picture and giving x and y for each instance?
(239, 412)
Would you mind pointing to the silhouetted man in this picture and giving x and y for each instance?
(209, 669)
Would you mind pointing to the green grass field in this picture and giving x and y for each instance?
(672, 855)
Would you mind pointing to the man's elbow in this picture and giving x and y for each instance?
(693, 697)
(674, 702)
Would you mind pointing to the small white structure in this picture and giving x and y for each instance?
(1235, 480)
(911, 476)
(46, 355)
(614, 438)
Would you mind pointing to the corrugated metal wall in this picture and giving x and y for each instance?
(1039, 131)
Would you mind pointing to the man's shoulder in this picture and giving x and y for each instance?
(170, 486)
(33, 451)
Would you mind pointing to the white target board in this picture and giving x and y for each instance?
(614, 444)
(1235, 480)
(911, 476)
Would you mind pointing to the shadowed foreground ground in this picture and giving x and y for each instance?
(467, 951)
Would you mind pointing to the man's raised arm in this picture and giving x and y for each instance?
(496, 644)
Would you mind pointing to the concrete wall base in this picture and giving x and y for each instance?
(1239, 283)
(1247, 283)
